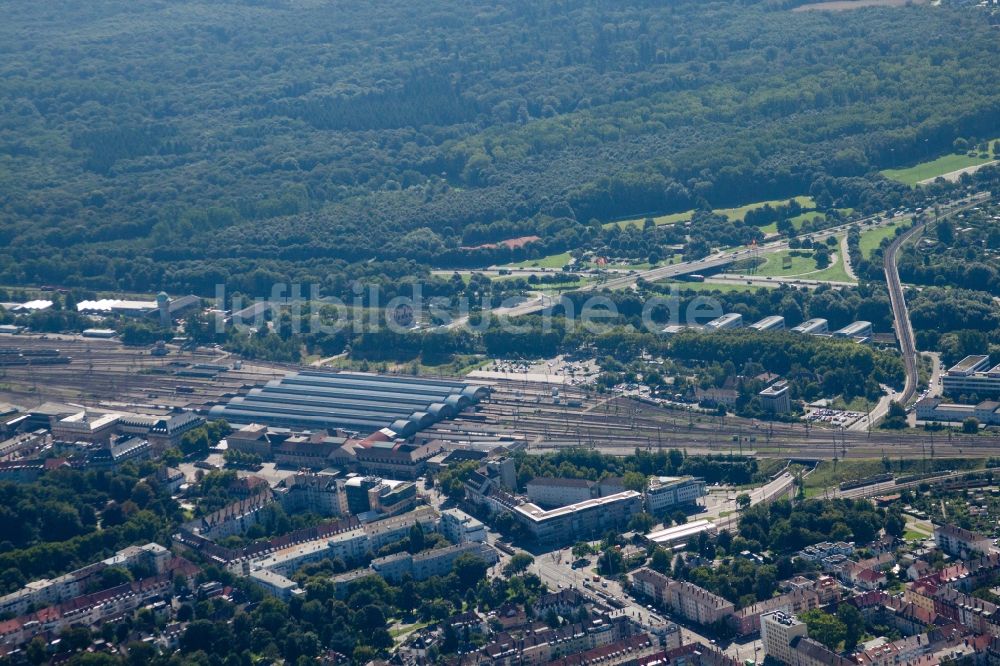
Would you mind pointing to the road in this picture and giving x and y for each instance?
(555, 569)
(717, 260)
(900, 313)
(779, 487)
(712, 262)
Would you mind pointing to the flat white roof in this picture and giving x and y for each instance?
(538, 514)
(109, 304)
(680, 531)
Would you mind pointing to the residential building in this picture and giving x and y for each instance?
(95, 607)
(234, 518)
(686, 599)
(278, 585)
(151, 556)
(960, 542)
(698, 604)
(349, 545)
(624, 652)
(777, 630)
(651, 585)
(809, 652)
(314, 493)
(748, 620)
(436, 562)
(459, 527)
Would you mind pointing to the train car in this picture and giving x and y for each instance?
(13, 360)
(40, 352)
(871, 480)
(49, 360)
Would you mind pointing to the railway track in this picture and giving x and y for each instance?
(900, 313)
(117, 377)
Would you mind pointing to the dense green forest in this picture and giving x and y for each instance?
(178, 145)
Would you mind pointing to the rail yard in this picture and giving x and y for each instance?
(106, 374)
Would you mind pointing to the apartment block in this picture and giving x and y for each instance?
(777, 630)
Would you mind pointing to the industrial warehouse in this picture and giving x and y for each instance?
(355, 402)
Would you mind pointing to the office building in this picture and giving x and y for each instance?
(569, 524)
(397, 458)
(163, 431)
(549, 491)
(371, 493)
(776, 398)
(986, 412)
(859, 330)
(86, 427)
(667, 492)
(815, 326)
(972, 376)
(725, 322)
(777, 631)
(772, 323)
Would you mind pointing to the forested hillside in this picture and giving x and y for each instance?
(148, 145)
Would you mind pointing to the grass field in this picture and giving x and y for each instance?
(834, 273)
(741, 212)
(660, 220)
(551, 261)
(737, 213)
(725, 288)
(938, 167)
(871, 239)
(783, 264)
